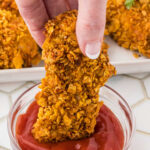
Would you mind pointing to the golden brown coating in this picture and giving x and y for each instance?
(69, 100)
(17, 47)
(130, 27)
(9, 5)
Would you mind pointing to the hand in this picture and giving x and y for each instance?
(90, 23)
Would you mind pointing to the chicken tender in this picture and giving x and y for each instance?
(9, 5)
(130, 27)
(17, 47)
(69, 99)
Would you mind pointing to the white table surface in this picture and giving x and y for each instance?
(134, 88)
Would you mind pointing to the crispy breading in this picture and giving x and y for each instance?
(9, 5)
(69, 100)
(17, 47)
(130, 27)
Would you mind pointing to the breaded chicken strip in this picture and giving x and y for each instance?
(69, 100)
(17, 48)
(9, 5)
(130, 27)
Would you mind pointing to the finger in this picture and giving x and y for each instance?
(73, 4)
(55, 7)
(90, 26)
(35, 16)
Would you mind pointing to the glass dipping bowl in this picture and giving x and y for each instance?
(111, 98)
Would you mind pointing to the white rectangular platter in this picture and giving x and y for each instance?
(122, 59)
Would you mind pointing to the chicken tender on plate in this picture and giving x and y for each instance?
(128, 23)
(17, 47)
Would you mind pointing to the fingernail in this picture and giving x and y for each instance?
(92, 50)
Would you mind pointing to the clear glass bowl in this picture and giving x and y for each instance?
(111, 99)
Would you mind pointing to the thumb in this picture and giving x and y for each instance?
(90, 26)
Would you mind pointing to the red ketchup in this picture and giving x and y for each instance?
(108, 133)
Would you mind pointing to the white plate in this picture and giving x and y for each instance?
(122, 59)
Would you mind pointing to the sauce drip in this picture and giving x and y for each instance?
(108, 133)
